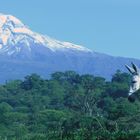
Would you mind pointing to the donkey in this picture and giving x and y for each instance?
(135, 82)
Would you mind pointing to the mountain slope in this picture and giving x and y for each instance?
(15, 37)
(23, 51)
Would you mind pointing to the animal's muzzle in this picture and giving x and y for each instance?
(131, 98)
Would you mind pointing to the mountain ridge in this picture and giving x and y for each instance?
(14, 33)
(23, 52)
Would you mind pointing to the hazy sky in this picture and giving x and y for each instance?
(109, 26)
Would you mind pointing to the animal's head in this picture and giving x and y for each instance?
(135, 82)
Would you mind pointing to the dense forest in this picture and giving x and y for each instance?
(68, 106)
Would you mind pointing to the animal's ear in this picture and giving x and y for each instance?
(131, 70)
(135, 68)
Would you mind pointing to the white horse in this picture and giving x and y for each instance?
(135, 83)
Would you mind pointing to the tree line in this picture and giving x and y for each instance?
(68, 106)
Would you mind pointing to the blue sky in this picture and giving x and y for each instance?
(108, 26)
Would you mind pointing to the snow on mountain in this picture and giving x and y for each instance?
(14, 35)
(23, 52)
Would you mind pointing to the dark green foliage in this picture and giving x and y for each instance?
(69, 106)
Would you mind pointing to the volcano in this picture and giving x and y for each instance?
(23, 52)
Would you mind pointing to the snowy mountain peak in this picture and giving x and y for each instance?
(10, 20)
(16, 37)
